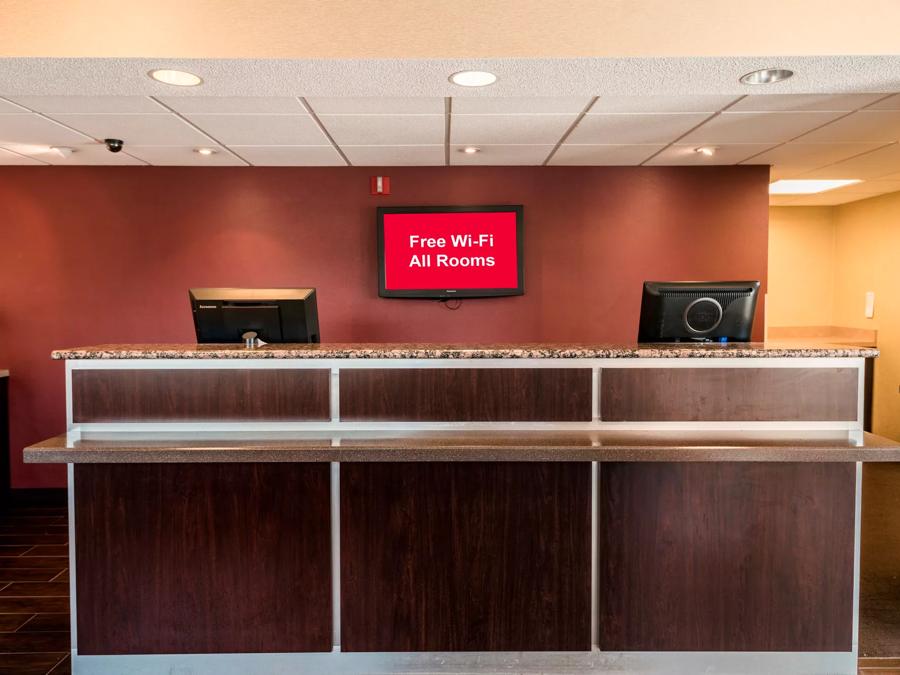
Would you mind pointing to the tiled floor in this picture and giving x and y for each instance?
(34, 591)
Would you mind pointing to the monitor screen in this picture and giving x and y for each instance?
(450, 251)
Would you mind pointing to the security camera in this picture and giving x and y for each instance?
(114, 144)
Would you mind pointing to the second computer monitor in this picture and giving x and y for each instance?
(697, 311)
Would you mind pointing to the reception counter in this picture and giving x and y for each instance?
(451, 509)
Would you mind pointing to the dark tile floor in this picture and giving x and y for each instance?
(34, 590)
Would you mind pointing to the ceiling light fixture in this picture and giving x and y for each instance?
(706, 150)
(177, 78)
(767, 76)
(470, 150)
(473, 78)
(808, 187)
(206, 152)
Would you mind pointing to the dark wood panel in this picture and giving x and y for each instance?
(203, 558)
(726, 557)
(465, 556)
(467, 394)
(740, 394)
(178, 395)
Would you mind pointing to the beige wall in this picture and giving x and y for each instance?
(867, 258)
(801, 266)
(848, 249)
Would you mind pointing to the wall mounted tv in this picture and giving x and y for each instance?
(450, 251)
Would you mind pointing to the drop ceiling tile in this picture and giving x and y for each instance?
(862, 126)
(89, 104)
(7, 106)
(260, 129)
(791, 159)
(287, 155)
(394, 155)
(603, 155)
(804, 102)
(385, 129)
(633, 129)
(889, 103)
(661, 104)
(163, 155)
(29, 129)
(136, 129)
(10, 158)
(509, 129)
(876, 164)
(83, 154)
(349, 105)
(765, 127)
(501, 155)
(234, 104)
(687, 155)
(518, 105)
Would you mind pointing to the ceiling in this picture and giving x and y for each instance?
(397, 29)
(801, 136)
(838, 117)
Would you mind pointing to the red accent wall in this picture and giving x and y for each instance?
(100, 254)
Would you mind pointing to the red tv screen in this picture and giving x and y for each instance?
(450, 251)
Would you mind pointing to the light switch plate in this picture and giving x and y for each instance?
(870, 304)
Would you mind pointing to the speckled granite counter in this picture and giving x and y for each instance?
(430, 446)
(456, 351)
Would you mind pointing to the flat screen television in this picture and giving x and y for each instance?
(450, 251)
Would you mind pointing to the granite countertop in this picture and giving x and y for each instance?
(392, 446)
(457, 351)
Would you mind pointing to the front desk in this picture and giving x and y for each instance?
(420, 508)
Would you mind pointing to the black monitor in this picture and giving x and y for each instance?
(697, 311)
(274, 314)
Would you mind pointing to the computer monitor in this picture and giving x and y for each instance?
(274, 314)
(697, 311)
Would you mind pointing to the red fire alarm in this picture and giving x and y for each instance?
(380, 185)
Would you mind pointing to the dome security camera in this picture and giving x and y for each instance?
(114, 144)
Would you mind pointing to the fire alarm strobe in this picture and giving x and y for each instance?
(380, 185)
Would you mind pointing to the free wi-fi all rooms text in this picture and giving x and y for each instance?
(423, 247)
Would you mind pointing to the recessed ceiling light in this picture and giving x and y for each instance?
(205, 151)
(177, 78)
(470, 150)
(473, 78)
(706, 150)
(808, 187)
(767, 76)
